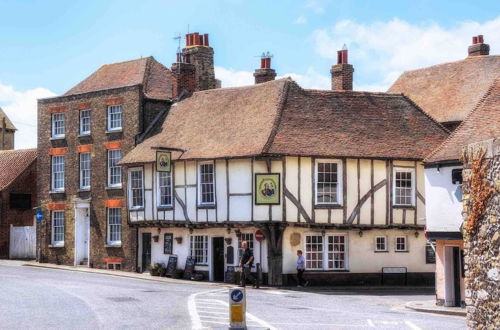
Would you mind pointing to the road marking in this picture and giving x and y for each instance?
(412, 325)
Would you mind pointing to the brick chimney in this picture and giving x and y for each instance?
(265, 73)
(478, 46)
(184, 77)
(342, 72)
(199, 53)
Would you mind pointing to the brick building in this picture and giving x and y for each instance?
(17, 192)
(7, 130)
(81, 137)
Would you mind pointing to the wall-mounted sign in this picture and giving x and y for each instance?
(163, 161)
(267, 189)
(39, 215)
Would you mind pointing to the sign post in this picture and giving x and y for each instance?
(237, 308)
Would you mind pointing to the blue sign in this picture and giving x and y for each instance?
(237, 295)
(39, 215)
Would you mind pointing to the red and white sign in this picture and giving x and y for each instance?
(259, 235)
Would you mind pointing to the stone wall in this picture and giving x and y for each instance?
(482, 234)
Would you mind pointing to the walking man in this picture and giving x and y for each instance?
(246, 262)
(301, 268)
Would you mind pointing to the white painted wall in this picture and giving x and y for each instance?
(443, 200)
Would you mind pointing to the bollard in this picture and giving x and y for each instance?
(237, 308)
(259, 274)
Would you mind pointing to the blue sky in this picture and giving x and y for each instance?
(46, 47)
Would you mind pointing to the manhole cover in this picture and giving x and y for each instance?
(121, 299)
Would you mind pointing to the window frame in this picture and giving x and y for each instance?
(53, 227)
(53, 132)
(109, 240)
(199, 185)
(130, 192)
(386, 245)
(403, 170)
(82, 173)
(109, 167)
(159, 192)
(109, 119)
(396, 249)
(325, 253)
(52, 173)
(205, 249)
(306, 252)
(339, 190)
(81, 130)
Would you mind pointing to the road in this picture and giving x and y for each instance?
(37, 298)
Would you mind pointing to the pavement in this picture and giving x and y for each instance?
(430, 306)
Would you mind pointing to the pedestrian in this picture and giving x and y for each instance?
(246, 263)
(301, 268)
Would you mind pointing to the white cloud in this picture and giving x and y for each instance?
(233, 78)
(311, 79)
(300, 20)
(21, 108)
(317, 6)
(383, 50)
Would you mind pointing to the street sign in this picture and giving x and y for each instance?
(259, 235)
(237, 308)
(39, 215)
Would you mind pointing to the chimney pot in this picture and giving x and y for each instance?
(474, 40)
(263, 63)
(187, 39)
(265, 73)
(206, 40)
(478, 47)
(342, 72)
(480, 39)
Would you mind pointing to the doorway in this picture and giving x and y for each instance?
(82, 236)
(452, 276)
(218, 258)
(146, 251)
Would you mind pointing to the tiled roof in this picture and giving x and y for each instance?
(279, 117)
(481, 124)
(154, 76)
(449, 91)
(8, 123)
(13, 163)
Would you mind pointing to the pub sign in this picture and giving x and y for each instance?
(163, 161)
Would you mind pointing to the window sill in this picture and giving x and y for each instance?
(84, 135)
(136, 208)
(55, 138)
(113, 245)
(408, 207)
(406, 251)
(113, 188)
(83, 189)
(56, 246)
(328, 206)
(114, 131)
(327, 271)
(381, 251)
(207, 206)
(56, 192)
(165, 208)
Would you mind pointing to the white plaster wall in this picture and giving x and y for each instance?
(443, 200)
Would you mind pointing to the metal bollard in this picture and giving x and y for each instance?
(259, 274)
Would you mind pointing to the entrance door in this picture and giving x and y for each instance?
(452, 276)
(82, 229)
(146, 251)
(218, 258)
(456, 275)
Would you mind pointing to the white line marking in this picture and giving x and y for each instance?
(412, 325)
(193, 313)
(221, 312)
(254, 318)
(370, 323)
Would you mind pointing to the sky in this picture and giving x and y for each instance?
(46, 47)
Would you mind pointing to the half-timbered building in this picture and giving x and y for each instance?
(335, 173)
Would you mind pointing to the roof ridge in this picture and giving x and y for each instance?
(476, 107)
(122, 62)
(281, 107)
(449, 62)
(242, 87)
(360, 93)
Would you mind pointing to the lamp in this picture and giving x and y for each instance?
(360, 233)
(416, 233)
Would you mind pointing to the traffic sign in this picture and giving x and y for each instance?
(237, 308)
(39, 215)
(237, 295)
(259, 235)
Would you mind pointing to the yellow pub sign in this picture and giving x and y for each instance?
(163, 161)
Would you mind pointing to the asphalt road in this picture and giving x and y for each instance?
(36, 298)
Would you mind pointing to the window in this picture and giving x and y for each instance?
(85, 122)
(401, 245)
(58, 173)
(314, 252)
(114, 171)
(58, 228)
(20, 201)
(336, 252)
(136, 188)
(245, 237)
(85, 170)
(165, 188)
(328, 182)
(114, 117)
(206, 185)
(58, 130)
(168, 243)
(403, 187)
(199, 249)
(114, 226)
(380, 243)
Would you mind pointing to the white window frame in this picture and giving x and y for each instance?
(339, 181)
(377, 249)
(110, 114)
(53, 173)
(159, 193)
(325, 253)
(85, 173)
(405, 170)
(82, 124)
(110, 167)
(405, 243)
(130, 188)
(200, 194)
(204, 249)
(57, 242)
(114, 237)
(55, 134)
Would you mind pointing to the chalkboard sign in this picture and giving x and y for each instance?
(229, 275)
(189, 268)
(171, 266)
(430, 255)
(230, 255)
(167, 243)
